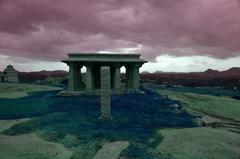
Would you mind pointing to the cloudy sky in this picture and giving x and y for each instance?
(174, 35)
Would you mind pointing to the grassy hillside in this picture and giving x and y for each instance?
(215, 91)
(200, 143)
(223, 107)
(12, 90)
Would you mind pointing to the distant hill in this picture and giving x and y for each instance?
(158, 72)
(209, 71)
(40, 75)
(210, 77)
(233, 70)
(145, 72)
(228, 78)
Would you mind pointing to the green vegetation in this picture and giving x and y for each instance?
(87, 135)
(55, 81)
(72, 123)
(223, 107)
(207, 143)
(214, 91)
(25, 107)
(12, 90)
(200, 143)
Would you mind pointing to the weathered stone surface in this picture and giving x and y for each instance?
(174, 106)
(89, 82)
(105, 93)
(74, 77)
(111, 150)
(135, 73)
(6, 124)
(29, 146)
(208, 120)
(116, 79)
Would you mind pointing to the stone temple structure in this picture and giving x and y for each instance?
(94, 62)
(9, 75)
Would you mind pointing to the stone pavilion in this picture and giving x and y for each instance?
(93, 63)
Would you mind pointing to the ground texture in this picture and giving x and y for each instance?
(69, 127)
(29, 146)
(200, 143)
(12, 90)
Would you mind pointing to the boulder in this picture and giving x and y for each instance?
(174, 106)
(208, 120)
(111, 150)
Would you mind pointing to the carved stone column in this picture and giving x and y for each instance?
(74, 77)
(128, 82)
(105, 93)
(70, 77)
(89, 78)
(78, 78)
(117, 80)
(135, 75)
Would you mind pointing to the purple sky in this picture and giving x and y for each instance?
(46, 30)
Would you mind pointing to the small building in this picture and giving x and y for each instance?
(93, 63)
(9, 75)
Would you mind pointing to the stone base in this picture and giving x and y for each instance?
(97, 92)
(101, 118)
(134, 91)
(72, 93)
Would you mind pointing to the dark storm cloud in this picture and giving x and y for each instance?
(48, 29)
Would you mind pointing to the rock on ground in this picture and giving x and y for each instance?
(6, 124)
(31, 147)
(208, 120)
(111, 150)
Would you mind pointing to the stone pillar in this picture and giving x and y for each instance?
(89, 78)
(74, 77)
(129, 77)
(70, 77)
(135, 75)
(105, 93)
(115, 78)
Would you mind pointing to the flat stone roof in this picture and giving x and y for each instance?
(103, 57)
